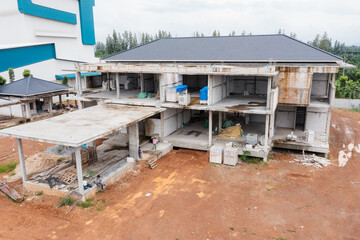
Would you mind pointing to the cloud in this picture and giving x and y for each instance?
(182, 18)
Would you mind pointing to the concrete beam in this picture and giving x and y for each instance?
(79, 172)
(134, 140)
(118, 85)
(21, 160)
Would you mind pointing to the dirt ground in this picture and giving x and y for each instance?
(192, 199)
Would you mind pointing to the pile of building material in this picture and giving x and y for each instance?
(10, 192)
(227, 155)
(88, 156)
(216, 154)
(312, 160)
(234, 132)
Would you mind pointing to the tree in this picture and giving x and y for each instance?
(2, 81)
(325, 43)
(99, 49)
(11, 75)
(26, 73)
(65, 81)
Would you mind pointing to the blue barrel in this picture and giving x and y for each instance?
(204, 94)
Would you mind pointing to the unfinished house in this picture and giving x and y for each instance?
(30, 97)
(277, 89)
(252, 93)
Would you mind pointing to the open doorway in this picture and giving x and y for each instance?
(300, 118)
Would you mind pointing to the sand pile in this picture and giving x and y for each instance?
(38, 163)
(231, 132)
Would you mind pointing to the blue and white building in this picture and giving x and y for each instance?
(46, 36)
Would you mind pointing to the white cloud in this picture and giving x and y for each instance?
(340, 19)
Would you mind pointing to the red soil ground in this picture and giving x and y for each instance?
(191, 199)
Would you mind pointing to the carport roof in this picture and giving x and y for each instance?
(83, 126)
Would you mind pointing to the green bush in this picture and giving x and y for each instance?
(65, 81)
(11, 75)
(2, 80)
(346, 88)
(26, 73)
(8, 167)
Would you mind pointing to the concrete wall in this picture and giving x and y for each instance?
(12, 111)
(346, 103)
(320, 84)
(285, 117)
(316, 119)
(169, 80)
(219, 88)
(255, 85)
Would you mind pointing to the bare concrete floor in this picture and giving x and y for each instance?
(319, 145)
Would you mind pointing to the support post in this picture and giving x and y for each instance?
(108, 81)
(21, 160)
(50, 104)
(266, 142)
(141, 82)
(117, 85)
(78, 83)
(210, 90)
(134, 140)
(67, 100)
(220, 121)
(210, 127)
(79, 172)
(27, 110)
(268, 95)
(60, 101)
(162, 121)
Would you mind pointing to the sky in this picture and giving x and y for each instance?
(306, 18)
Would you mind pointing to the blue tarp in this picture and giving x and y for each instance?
(204, 94)
(180, 88)
(72, 75)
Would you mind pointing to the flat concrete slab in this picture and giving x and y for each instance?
(83, 126)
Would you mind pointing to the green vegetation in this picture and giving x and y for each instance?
(65, 81)
(26, 73)
(12, 174)
(39, 193)
(2, 80)
(232, 228)
(66, 201)
(7, 167)
(11, 75)
(353, 110)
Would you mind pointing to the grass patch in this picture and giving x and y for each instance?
(292, 231)
(39, 193)
(245, 229)
(213, 164)
(89, 200)
(280, 238)
(66, 201)
(251, 160)
(12, 174)
(8, 167)
(232, 228)
(99, 208)
(354, 110)
(85, 204)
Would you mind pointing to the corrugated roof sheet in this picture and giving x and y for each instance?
(253, 48)
(30, 86)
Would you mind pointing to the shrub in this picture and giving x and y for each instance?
(26, 73)
(11, 75)
(65, 81)
(8, 167)
(2, 80)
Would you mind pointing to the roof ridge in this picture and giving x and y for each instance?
(28, 85)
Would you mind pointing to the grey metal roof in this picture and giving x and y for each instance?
(30, 86)
(253, 48)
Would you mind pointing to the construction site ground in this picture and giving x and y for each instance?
(193, 199)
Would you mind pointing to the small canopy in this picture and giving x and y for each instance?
(72, 75)
(31, 86)
(83, 126)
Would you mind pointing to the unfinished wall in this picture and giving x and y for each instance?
(294, 85)
(316, 119)
(320, 85)
(254, 85)
(285, 117)
(218, 88)
(173, 120)
(169, 80)
(14, 110)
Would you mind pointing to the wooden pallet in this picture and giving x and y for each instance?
(152, 163)
(10, 192)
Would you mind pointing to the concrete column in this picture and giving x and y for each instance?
(162, 121)
(227, 86)
(78, 83)
(79, 172)
(27, 110)
(142, 82)
(210, 90)
(60, 101)
(50, 104)
(134, 140)
(108, 80)
(220, 121)
(21, 160)
(210, 127)
(266, 143)
(268, 96)
(67, 100)
(161, 87)
(118, 85)
(80, 104)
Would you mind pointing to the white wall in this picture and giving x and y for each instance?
(285, 117)
(346, 103)
(316, 119)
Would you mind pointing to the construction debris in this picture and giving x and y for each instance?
(312, 160)
(10, 192)
(234, 132)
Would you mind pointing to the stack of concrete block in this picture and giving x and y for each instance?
(216, 154)
(231, 156)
